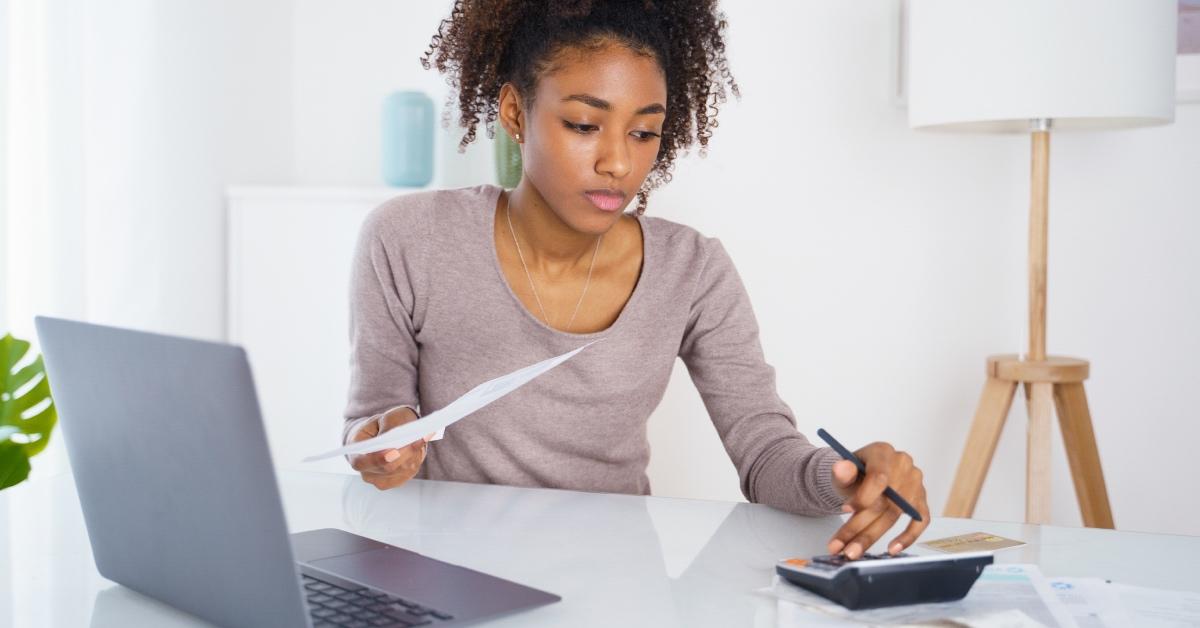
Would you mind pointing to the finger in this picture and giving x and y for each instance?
(411, 457)
(383, 468)
(870, 490)
(382, 460)
(903, 463)
(845, 474)
(385, 461)
(374, 460)
(915, 488)
(865, 512)
(867, 537)
(855, 524)
(363, 464)
(914, 528)
(420, 458)
(362, 435)
(378, 424)
(366, 428)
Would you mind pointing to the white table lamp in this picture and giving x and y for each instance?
(1033, 66)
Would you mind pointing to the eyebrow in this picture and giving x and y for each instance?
(600, 103)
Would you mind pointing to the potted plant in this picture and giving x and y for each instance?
(27, 413)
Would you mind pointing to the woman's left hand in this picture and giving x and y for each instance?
(873, 513)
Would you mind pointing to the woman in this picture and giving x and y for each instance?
(454, 287)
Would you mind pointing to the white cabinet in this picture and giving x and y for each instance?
(289, 253)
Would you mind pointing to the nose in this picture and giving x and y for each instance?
(613, 158)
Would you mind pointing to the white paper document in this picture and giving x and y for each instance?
(1160, 608)
(1097, 603)
(1092, 602)
(473, 400)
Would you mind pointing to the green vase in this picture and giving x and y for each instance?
(508, 161)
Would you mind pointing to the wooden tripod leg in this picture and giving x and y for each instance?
(1082, 454)
(1040, 396)
(993, 409)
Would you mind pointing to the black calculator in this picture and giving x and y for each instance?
(877, 580)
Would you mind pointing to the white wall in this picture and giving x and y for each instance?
(884, 264)
(150, 110)
(347, 58)
(182, 99)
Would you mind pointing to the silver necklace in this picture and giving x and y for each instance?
(508, 216)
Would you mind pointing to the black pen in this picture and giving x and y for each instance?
(862, 468)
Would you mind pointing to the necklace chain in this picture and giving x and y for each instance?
(586, 284)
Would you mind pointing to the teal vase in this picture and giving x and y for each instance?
(408, 139)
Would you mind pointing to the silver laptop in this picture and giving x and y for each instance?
(181, 504)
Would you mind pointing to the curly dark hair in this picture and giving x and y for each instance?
(486, 43)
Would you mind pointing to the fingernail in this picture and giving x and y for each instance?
(853, 550)
(391, 455)
(835, 546)
(895, 549)
(847, 508)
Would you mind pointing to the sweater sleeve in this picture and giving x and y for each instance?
(777, 465)
(383, 346)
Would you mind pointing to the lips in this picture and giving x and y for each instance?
(607, 200)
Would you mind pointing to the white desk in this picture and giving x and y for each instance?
(615, 559)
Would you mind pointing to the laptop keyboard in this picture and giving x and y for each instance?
(332, 605)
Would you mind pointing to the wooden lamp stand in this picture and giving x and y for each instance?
(1049, 382)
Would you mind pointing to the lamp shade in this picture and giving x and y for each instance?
(996, 65)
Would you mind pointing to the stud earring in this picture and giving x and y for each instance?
(518, 136)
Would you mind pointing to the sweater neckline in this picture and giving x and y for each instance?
(493, 196)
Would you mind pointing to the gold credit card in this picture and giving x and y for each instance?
(973, 542)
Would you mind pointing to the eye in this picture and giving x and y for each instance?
(646, 136)
(579, 128)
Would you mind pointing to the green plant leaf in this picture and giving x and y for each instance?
(14, 464)
(26, 407)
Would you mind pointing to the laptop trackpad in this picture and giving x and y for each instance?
(459, 591)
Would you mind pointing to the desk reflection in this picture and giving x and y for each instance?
(677, 562)
(654, 561)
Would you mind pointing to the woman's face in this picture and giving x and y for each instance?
(592, 135)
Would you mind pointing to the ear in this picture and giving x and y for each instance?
(511, 110)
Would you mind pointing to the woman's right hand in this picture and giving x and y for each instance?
(391, 467)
